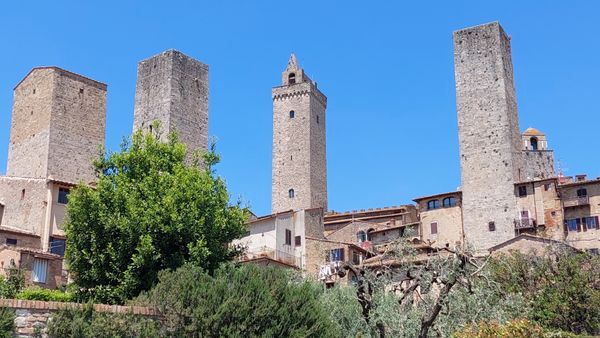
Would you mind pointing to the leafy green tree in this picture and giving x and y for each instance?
(562, 286)
(150, 210)
(7, 322)
(243, 301)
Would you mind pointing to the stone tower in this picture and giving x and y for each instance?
(538, 159)
(58, 125)
(172, 88)
(299, 161)
(488, 130)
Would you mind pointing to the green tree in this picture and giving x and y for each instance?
(150, 210)
(243, 301)
(562, 286)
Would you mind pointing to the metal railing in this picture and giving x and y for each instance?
(576, 201)
(525, 223)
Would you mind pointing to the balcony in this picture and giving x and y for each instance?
(525, 223)
(267, 252)
(576, 201)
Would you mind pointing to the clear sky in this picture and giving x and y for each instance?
(386, 68)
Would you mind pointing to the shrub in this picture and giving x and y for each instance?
(88, 323)
(45, 295)
(244, 301)
(7, 322)
(518, 328)
(12, 283)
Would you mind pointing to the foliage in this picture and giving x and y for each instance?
(150, 210)
(563, 287)
(72, 323)
(7, 322)
(518, 328)
(12, 283)
(244, 301)
(46, 295)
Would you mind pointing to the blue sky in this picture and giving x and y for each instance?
(386, 68)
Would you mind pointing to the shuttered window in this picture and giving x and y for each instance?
(40, 270)
(434, 228)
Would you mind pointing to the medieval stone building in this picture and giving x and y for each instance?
(510, 194)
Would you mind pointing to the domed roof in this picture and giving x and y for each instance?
(532, 132)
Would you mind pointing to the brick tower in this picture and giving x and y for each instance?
(172, 88)
(299, 161)
(58, 125)
(488, 130)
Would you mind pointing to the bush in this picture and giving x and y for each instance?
(7, 322)
(88, 323)
(244, 301)
(12, 284)
(46, 295)
(519, 328)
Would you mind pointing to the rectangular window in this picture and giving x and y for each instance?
(40, 270)
(355, 258)
(11, 241)
(63, 195)
(572, 224)
(522, 191)
(492, 226)
(57, 246)
(336, 255)
(288, 237)
(1, 212)
(434, 228)
(298, 240)
(593, 251)
(590, 222)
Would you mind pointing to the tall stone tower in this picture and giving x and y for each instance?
(488, 130)
(299, 161)
(172, 88)
(58, 125)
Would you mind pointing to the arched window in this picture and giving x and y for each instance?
(292, 78)
(534, 143)
(369, 234)
(361, 236)
(449, 202)
(433, 204)
(582, 192)
(291, 193)
(292, 114)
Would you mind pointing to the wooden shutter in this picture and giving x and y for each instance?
(342, 254)
(578, 222)
(434, 228)
(597, 224)
(565, 227)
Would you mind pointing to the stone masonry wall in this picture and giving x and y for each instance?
(77, 127)
(490, 142)
(24, 202)
(537, 164)
(299, 161)
(32, 316)
(172, 88)
(30, 125)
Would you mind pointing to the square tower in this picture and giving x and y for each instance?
(488, 130)
(58, 125)
(172, 88)
(299, 159)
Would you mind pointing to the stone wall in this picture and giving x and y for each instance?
(30, 125)
(538, 164)
(299, 159)
(36, 314)
(77, 127)
(172, 88)
(25, 203)
(489, 137)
